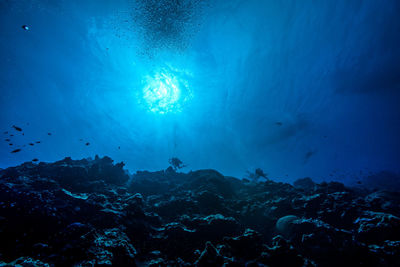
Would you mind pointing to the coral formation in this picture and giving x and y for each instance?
(92, 213)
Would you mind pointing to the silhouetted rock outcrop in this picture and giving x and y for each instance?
(92, 213)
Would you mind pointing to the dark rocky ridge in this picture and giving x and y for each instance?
(91, 213)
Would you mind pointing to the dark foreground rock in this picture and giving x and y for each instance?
(91, 213)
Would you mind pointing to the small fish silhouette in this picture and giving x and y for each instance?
(16, 150)
(35, 159)
(19, 129)
(87, 143)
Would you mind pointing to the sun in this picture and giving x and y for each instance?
(164, 93)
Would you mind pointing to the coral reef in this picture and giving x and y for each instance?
(92, 213)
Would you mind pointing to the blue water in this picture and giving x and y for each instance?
(298, 88)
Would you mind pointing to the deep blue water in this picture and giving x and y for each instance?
(298, 88)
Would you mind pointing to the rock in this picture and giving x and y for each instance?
(330, 187)
(306, 184)
(384, 201)
(25, 262)
(247, 246)
(377, 227)
(113, 247)
(89, 212)
(212, 181)
(216, 226)
(281, 253)
(209, 257)
(311, 204)
(209, 202)
(386, 253)
(285, 225)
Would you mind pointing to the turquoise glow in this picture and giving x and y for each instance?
(164, 93)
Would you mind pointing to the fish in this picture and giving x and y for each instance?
(308, 155)
(25, 27)
(87, 143)
(10, 144)
(37, 142)
(19, 129)
(279, 123)
(31, 144)
(48, 133)
(5, 132)
(16, 150)
(7, 140)
(35, 159)
(11, 135)
(119, 147)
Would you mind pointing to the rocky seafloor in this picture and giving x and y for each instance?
(91, 213)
